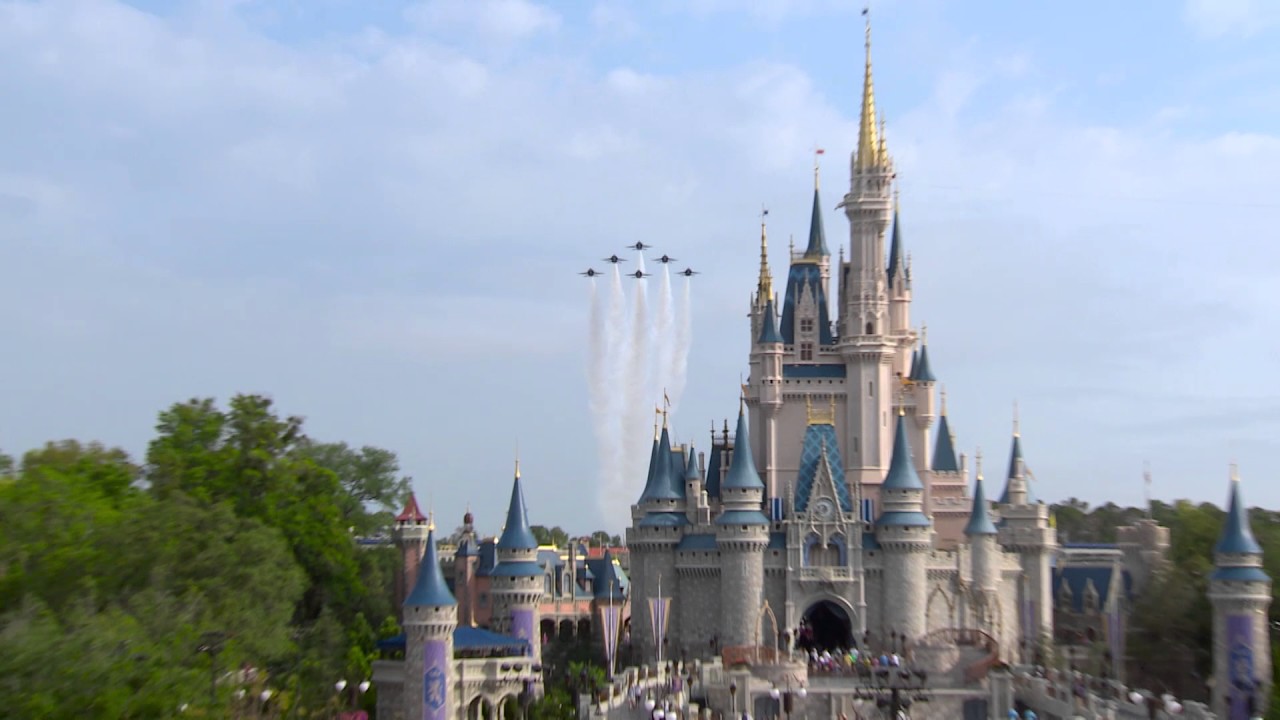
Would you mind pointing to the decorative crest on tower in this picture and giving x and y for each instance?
(820, 416)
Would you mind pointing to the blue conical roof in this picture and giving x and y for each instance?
(691, 470)
(921, 371)
(979, 520)
(661, 485)
(902, 472)
(430, 589)
(817, 238)
(895, 250)
(609, 584)
(769, 327)
(742, 467)
(915, 359)
(944, 453)
(1237, 537)
(1015, 457)
(517, 535)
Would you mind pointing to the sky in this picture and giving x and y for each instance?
(373, 212)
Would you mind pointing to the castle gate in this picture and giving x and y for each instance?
(825, 625)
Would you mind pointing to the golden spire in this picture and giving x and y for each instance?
(657, 413)
(517, 468)
(1235, 472)
(765, 287)
(977, 461)
(817, 176)
(1016, 430)
(868, 142)
(943, 392)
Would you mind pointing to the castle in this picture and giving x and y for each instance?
(837, 515)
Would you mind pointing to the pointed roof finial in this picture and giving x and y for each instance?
(657, 414)
(977, 461)
(868, 142)
(943, 392)
(1235, 471)
(924, 334)
(1017, 430)
(764, 286)
(817, 171)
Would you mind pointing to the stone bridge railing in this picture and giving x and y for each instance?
(1069, 695)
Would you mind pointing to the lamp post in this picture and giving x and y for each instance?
(786, 698)
(893, 689)
(351, 698)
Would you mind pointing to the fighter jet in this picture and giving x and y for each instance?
(639, 274)
(687, 272)
(590, 272)
(665, 259)
(614, 259)
(640, 246)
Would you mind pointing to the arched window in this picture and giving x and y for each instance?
(871, 328)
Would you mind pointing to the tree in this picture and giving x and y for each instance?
(370, 479)
(555, 536)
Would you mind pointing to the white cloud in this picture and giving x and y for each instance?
(1221, 18)
(212, 211)
(502, 20)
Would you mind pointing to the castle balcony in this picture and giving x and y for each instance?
(831, 573)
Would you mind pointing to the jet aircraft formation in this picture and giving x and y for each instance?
(638, 274)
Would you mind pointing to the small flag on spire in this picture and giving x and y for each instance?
(819, 151)
(666, 400)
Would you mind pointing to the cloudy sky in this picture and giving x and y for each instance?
(373, 210)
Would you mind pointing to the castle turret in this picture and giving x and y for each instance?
(466, 562)
(1241, 595)
(410, 535)
(652, 540)
(516, 581)
(905, 536)
(430, 617)
(984, 554)
(768, 400)
(898, 280)
(867, 343)
(1026, 530)
(742, 534)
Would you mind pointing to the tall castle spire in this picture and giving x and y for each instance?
(764, 286)
(870, 148)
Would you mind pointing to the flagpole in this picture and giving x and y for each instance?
(658, 634)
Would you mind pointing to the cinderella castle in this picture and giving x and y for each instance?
(841, 503)
(837, 515)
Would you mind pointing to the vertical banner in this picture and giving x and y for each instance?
(659, 607)
(611, 622)
(435, 686)
(522, 626)
(1240, 670)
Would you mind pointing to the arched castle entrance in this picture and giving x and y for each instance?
(825, 625)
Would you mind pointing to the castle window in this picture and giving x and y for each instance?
(871, 329)
(806, 351)
(871, 389)
(806, 325)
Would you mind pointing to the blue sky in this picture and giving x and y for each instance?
(373, 210)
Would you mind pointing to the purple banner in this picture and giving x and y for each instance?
(1240, 669)
(435, 680)
(522, 626)
(611, 622)
(659, 608)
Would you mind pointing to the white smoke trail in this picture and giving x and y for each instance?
(597, 350)
(664, 346)
(638, 412)
(681, 344)
(614, 500)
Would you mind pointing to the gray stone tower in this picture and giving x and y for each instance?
(1025, 530)
(1241, 595)
(905, 536)
(516, 584)
(657, 521)
(430, 617)
(742, 534)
